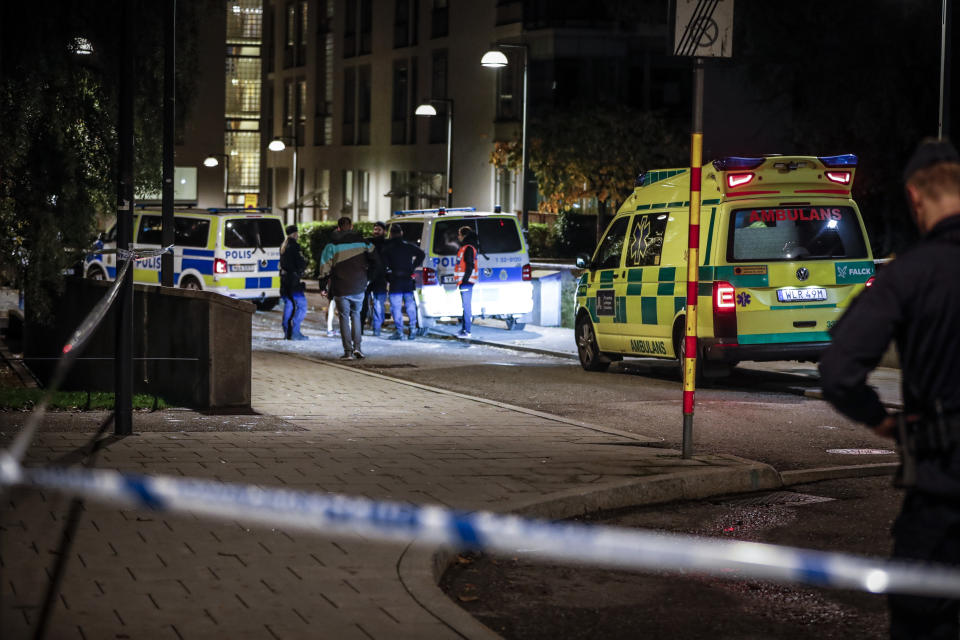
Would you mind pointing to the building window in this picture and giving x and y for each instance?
(508, 94)
(405, 19)
(302, 33)
(347, 190)
(242, 97)
(349, 105)
(438, 89)
(301, 110)
(350, 28)
(401, 100)
(366, 27)
(364, 96)
(289, 35)
(363, 195)
(440, 19)
(323, 116)
(289, 106)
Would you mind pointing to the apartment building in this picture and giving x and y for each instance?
(342, 80)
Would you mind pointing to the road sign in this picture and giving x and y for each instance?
(250, 201)
(703, 28)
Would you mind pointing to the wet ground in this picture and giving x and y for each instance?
(520, 599)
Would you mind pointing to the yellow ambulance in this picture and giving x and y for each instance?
(783, 251)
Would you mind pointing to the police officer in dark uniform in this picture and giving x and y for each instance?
(915, 302)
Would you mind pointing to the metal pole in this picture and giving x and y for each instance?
(449, 152)
(943, 117)
(226, 178)
(693, 246)
(169, 115)
(123, 360)
(525, 215)
(296, 183)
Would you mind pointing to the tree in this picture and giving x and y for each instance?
(597, 152)
(58, 97)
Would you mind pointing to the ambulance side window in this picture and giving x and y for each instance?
(611, 248)
(646, 240)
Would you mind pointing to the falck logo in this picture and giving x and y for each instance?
(841, 272)
(802, 273)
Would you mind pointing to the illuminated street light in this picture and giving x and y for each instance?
(495, 59)
(427, 109)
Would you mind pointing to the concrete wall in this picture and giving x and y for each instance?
(210, 332)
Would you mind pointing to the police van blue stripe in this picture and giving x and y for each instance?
(203, 266)
(206, 253)
(258, 283)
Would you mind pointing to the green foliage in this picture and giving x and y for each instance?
(58, 115)
(314, 236)
(596, 151)
(575, 233)
(25, 399)
(542, 241)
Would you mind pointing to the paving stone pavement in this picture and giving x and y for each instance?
(142, 574)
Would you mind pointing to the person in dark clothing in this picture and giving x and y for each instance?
(467, 275)
(914, 301)
(343, 271)
(292, 266)
(376, 296)
(401, 260)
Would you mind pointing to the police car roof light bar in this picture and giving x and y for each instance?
(836, 162)
(412, 212)
(239, 210)
(732, 163)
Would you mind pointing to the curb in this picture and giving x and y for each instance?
(512, 347)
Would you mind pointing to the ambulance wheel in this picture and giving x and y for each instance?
(591, 358)
(96, 273)
(267, 304)
(514, 325)
(190, 283)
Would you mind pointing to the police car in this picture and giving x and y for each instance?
(504, 289)
(234, 252)
(783, 252)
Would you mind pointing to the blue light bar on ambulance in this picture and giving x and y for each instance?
(413, 212)
(734, 163)
(836, 162)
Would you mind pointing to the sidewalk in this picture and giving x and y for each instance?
(150, 575)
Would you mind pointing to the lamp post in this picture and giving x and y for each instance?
(495, 59)
(212, 161)
(427, 109)
(278, 144)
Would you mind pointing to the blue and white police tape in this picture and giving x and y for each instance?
(333, 514)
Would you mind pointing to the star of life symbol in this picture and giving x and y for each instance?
(743, 298)
(641, 242)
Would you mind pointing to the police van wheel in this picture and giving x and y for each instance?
(514, 325)
(96, 273)
(267, 304)
(190, 283)
(591, 357)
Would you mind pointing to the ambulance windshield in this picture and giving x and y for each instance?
(246, 233)
(795, 233)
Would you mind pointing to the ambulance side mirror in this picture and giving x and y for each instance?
(583, 261)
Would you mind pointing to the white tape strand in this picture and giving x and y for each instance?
(332, 514)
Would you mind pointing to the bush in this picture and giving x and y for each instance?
(314, 236)
(542, 240)
(575, 233)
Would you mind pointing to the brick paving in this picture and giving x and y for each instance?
(141, 574)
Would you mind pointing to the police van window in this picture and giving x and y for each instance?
(247, 233)
(445, 242)
(411, 231)
(150, 230)
(792, 233)
(611, 248)
(646, 240)
(111, 235)
(191, 232)
(498, 235)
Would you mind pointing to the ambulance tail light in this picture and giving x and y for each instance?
(526, 272)
(739, 179)
(869, 282)
(429, 276)
(840, 177)
(219, 265)
(724, 310)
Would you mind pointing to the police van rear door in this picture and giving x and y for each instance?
(251, 252)
(794, 268)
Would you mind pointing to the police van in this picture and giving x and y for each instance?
(504, 289)
(782, 253)
(234, 252)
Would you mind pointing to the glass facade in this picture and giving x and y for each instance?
(242, 103)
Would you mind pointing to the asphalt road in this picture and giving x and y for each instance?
(520, 599)
(756, 413)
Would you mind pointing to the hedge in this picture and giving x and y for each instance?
(314, 236)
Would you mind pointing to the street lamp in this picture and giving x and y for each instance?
(212, 161)
(278, 144)
(495, 59)
(427, 109)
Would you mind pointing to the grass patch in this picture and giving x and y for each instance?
(19, 399)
